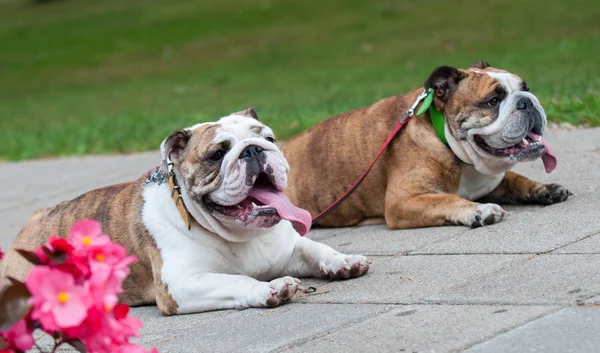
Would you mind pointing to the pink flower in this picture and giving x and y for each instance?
(63, 257)
(41, 255)
(93, 331)
(1, 254)
(110, 256)
(86, 228)
(75, 292)
(57, 301)
(19, 336)
(124, 326)
(76, 267)
(109, 265)
(108, 330)
(58, 244)
(102, 292)
(87, 233)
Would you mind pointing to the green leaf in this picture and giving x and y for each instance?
(29, 256)
(13, 305)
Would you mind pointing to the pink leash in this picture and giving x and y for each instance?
(409, 113)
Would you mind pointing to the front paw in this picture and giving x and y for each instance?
(550, 194)
(485, 214)
(281, 290)
(340, 266)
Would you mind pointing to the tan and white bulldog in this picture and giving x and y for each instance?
(490, 121)
(242, 248)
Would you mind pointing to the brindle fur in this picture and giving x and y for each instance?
(414, 183)
(118, 208)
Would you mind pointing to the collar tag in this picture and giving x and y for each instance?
(176, 196)
(437, 118)
(155, 176)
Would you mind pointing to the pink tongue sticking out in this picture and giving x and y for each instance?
(300, 218)
(548, 157)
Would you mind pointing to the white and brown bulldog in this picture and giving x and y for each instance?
(489, 122)
(231, 241)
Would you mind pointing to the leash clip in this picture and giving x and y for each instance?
(419, 99)
(411, 111)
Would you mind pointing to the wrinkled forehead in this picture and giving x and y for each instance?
(234, 128)
(485, 81)
(202, 135)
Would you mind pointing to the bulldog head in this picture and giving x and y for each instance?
(492, 120)
(232, 176)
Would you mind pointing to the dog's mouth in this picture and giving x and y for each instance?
(264, 207)
(530, 147)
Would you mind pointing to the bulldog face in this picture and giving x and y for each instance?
(493, 121)
(234, 174)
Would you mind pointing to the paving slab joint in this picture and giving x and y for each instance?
(321, 334)
(508, 329)
(597, 232)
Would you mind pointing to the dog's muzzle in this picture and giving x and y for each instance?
(252, 192)
(517, 133)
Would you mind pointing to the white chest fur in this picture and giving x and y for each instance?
(187, 255)
(474, 185)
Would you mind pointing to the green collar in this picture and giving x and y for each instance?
(437, 118)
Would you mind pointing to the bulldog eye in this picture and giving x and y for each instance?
(217, 156)
(492, 103)
(271, 139)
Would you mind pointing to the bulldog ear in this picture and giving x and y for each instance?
(172, 146)
(250, 112)
(443, 80)
(480, 65)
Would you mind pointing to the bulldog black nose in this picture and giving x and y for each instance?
(524, 103)
(251, 151)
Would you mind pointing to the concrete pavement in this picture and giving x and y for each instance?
(530, 283)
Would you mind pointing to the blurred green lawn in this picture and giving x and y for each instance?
(82, 76)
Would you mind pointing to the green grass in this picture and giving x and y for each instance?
(82, 76)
